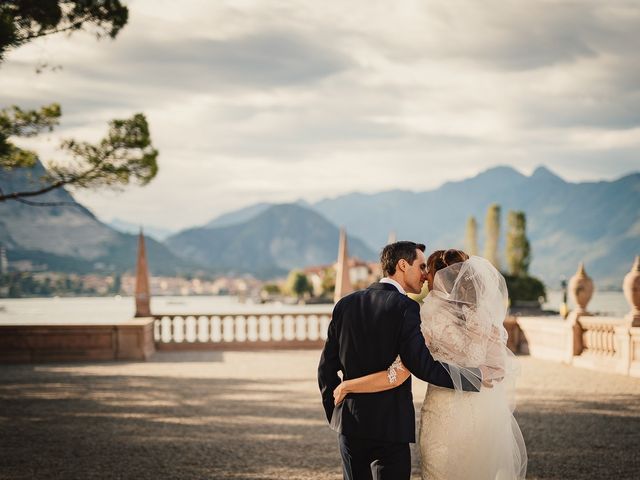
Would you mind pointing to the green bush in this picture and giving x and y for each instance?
(524, 289)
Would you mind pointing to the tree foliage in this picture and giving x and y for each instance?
(16, 122)
(518, 249)
(125, 155)
(471, 237)
(298, 284)
(525, 289)
(24, 20)
(492, 232)
(328, 282)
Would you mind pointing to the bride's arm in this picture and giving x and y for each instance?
(395, 375)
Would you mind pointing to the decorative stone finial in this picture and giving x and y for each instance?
(631, 288)
(581, 289)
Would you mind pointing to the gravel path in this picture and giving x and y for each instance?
(257, 416)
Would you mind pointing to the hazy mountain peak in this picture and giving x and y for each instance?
(238, 216)
(503, 172)
(543, 173)
(123, 226)
(487, 179)
(281, 237)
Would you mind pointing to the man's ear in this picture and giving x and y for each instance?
(402, 265)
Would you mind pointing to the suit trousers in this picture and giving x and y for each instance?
(365, 459)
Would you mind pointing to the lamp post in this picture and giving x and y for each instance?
(564, 308)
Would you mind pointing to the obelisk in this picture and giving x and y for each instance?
(343, 281)
(143, 295)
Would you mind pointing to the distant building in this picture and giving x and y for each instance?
(26, 266)
(361, 274)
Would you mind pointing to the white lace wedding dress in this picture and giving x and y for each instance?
(470, 435)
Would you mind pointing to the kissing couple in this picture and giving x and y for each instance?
(456, 342)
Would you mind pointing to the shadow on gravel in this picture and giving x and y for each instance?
(57, 423)
(591, 438)
(65, 425)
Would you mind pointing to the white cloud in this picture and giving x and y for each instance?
(278, 100)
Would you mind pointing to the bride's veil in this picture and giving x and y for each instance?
(462, 321)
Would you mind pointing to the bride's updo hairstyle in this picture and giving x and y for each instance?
(441, 259)
(444, 258)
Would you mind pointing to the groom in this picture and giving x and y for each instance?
(368, 329)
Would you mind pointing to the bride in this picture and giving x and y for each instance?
(463, 435)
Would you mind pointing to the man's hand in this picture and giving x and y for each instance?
(339, 393)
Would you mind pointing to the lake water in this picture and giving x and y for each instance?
(611, 304)
(99, 310)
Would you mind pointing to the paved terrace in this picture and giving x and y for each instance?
(257, 415)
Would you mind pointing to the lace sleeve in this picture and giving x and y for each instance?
(392, 371)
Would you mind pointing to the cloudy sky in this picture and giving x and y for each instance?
(275, 101)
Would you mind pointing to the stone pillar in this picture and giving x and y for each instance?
(574, 332)
(143, 294)
(343, 281)
(581, 290)
(392, 238)
(631, 289)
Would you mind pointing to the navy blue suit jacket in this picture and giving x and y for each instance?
(368, 330)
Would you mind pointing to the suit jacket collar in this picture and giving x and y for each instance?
(394, 283)
(383, 286)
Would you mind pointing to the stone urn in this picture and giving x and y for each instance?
(581, 289)
(631, 288)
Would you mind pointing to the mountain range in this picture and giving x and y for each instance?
(276, 239)
(123, 226)
(594, 222)
(68, 237)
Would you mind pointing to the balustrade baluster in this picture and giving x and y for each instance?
(290, 327)
(611, 347)
(298, 327)
(242, 328)
(237, 327)
(277, 332)
(216, 328)
(311, 320)
(201, 329)
(174, 327)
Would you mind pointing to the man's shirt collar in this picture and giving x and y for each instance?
(391, 281)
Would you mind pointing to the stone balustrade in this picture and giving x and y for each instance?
(130, 340)
(602, 343)
(599, 335)
(240, 331)
(584, 340)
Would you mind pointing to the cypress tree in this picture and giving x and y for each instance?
(492, 233)
(471, 237)
(518, 249)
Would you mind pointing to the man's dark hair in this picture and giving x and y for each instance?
(394, 252)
